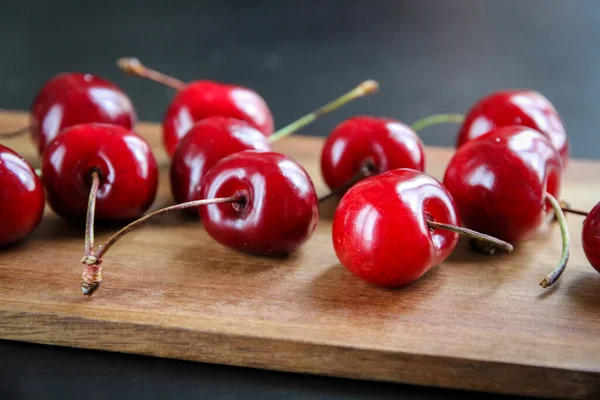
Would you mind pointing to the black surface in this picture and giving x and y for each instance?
(30, 371)
(430, 56)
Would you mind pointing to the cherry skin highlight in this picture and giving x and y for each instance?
(590, 237)
(202, 99)
(21, 198)
(126, 166)
(380, 230)
(280, 209)
(384, 143)
(73, 98)
(500, 179)
(515, 107)
(206, 143)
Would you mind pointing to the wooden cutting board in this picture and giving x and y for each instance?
(474, 322)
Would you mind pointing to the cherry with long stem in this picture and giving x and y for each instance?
(553, 276)
(92, 272)
(134, 67)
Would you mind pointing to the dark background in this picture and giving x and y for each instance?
(429, 56)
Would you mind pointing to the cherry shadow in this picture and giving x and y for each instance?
(488, 272)
(337, 288)
(585, 291)
(327, 208)
(211, 255)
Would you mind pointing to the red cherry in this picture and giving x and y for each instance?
(515, 107)
(59, 83)
(206, 143)
(126, 166)
(381, 232)
(214, 138)
(74, 99)
(262, 203)
(590, 237)
(381, 144)
(201, 99)
(499, 181)
(21, 198)
(279, 211)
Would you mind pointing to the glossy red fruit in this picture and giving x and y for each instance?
(73, 98)
(590, 237)
(515, 107)
(387, 143)
(202, 99)
(206, 143)
(380, 231)
(499, 182)
(280, 212)
(127, 168)
(21, 198)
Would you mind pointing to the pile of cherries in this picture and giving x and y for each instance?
(393, 222)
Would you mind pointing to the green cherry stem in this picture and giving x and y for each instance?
(134, 67)
(553, 276)
(437, 119)
(365, 88)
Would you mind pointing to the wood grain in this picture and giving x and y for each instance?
(474, 322)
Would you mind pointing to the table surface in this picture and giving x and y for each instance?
(330, 44)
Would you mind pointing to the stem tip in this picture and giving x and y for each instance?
(131, 65)
(368, 87)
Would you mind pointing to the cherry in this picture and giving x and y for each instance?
(499, 181)
(21, 198)
(200, 99)
(515, 107)
(74, 98)
(214, 138)
(279, 211)
(257, 202)
(206, 143)
(503, 181)
(124, 163)
(363, 146)
(590, 237)
(392, 228)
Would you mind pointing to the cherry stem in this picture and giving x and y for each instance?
(365, 88)
(500, 244)
(367, 168)
(16, 133)
(437, 119)
(91, 277)
(190, 204)
(553, 276)
(574, 211)
(91, 212)
(38, 172)
(133, 66)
